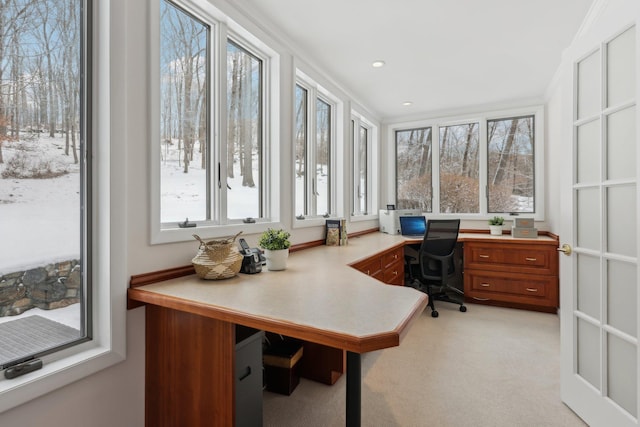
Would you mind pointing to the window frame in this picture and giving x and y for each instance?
(537, 111)
(222, 29)
(314, 92)
(360, 121)
(107, 244)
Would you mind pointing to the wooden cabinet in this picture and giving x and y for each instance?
(514, 273)
(387, 266)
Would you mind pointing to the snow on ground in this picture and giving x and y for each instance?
(69, 315)
(39, 217)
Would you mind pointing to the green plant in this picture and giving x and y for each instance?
(496, 220)
(274, 239)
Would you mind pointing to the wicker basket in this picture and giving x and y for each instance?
(217, 259)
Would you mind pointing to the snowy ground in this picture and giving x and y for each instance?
(69, 315)
(39, 217)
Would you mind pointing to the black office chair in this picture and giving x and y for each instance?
(435, 264)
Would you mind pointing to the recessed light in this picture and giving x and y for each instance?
(407, 103)
(377, 64)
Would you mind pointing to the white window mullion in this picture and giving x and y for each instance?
(483, 167)
(218, 125)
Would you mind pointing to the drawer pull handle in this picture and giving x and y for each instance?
(481, 299)
(483, 256)
(368, 273)
(485, 285)
(395, 256)
(532, 290)
(531, 259)
(395, 272)
(245, 374)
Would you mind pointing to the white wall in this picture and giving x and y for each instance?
(115, 396)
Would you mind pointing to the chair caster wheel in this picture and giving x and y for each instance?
(434, 313)
(463, 308)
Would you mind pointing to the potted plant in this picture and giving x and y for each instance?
(276, 248)
(495, 225)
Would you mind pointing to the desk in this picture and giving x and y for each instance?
(190, 326)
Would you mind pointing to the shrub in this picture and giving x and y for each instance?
(22, 167)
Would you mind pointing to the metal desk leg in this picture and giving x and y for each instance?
(354, 384)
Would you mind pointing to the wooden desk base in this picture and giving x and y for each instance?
(188, 358)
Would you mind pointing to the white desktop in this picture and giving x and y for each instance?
(390, 219)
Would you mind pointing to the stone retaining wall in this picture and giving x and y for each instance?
(53, 286)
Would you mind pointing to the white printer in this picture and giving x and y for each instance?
(390, 219)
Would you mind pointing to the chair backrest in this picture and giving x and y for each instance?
(441, 236)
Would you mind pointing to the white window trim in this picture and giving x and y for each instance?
(316, 91)
(373, 171)
(539, 148)
(222, 27)
(108, 345)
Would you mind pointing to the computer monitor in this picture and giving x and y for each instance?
(413, 226)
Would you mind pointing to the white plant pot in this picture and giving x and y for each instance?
(276, 260)
(496, 230)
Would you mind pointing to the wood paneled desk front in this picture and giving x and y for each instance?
(190, 325)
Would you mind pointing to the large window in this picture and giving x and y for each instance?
(511, 172)
(480, 167)
(413, 169)
(459, 185)
(210, 147)
(45, 179)
(184, 135)
(314, 152)
(61, 190)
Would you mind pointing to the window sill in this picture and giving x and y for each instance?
(60, 369)
(175, 234)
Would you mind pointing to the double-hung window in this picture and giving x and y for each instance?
(481, 166)
(315, 150)
(211, 141)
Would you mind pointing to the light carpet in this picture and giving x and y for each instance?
(489, 366)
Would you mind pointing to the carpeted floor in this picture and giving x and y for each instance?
(32, 334)
(489, 366)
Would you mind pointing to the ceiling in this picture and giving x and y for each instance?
(441, 55)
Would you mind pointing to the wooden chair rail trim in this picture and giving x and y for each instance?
(187, 270)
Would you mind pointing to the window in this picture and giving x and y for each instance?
(209, 150)
(363, 133)
(66, 204)
(459, 185)
(314, 186)
(185, 93)
(45, 180)
(510, 180)
(413, 169)
(482, 166)
(244, 134)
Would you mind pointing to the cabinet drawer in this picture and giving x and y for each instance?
(528, 287)
(392, 257)
(533, 259)
(371, 266)
(394, 274)
(533, 290)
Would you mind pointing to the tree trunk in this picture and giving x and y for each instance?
(504, 154)
(465, 157)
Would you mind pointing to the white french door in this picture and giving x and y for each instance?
(599, 293)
